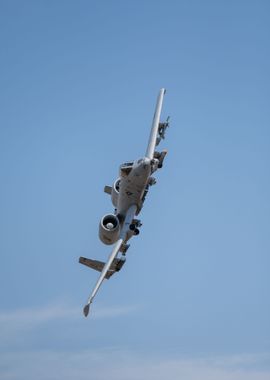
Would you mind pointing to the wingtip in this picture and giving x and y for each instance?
(86, 310)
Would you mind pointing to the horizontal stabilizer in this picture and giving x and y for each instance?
(99, 265)
(108, 189)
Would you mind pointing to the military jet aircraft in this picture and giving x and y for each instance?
(128, 194)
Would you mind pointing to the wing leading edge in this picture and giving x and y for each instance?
(155, 126)
(103, 274)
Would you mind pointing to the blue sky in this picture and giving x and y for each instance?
(78, 85)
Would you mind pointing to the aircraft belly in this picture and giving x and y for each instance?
(132, 189)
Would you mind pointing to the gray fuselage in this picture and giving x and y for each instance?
(133, 181)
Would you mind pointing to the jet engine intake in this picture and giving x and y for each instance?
(115, 192)
(109, 229)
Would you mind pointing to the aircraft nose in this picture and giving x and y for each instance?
(143, 164)
(146, 162)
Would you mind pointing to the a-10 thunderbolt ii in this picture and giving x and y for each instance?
(128, 194)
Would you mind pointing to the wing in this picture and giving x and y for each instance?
(107, 267)
(103, 274)
(155, 126)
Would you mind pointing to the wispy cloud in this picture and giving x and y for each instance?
(118, 365)
(114, 311)
(16, 323)
(33, 316)
(47, 313)
(115, 363)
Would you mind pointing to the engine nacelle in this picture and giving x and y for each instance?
(109, 229)
(115, 192)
